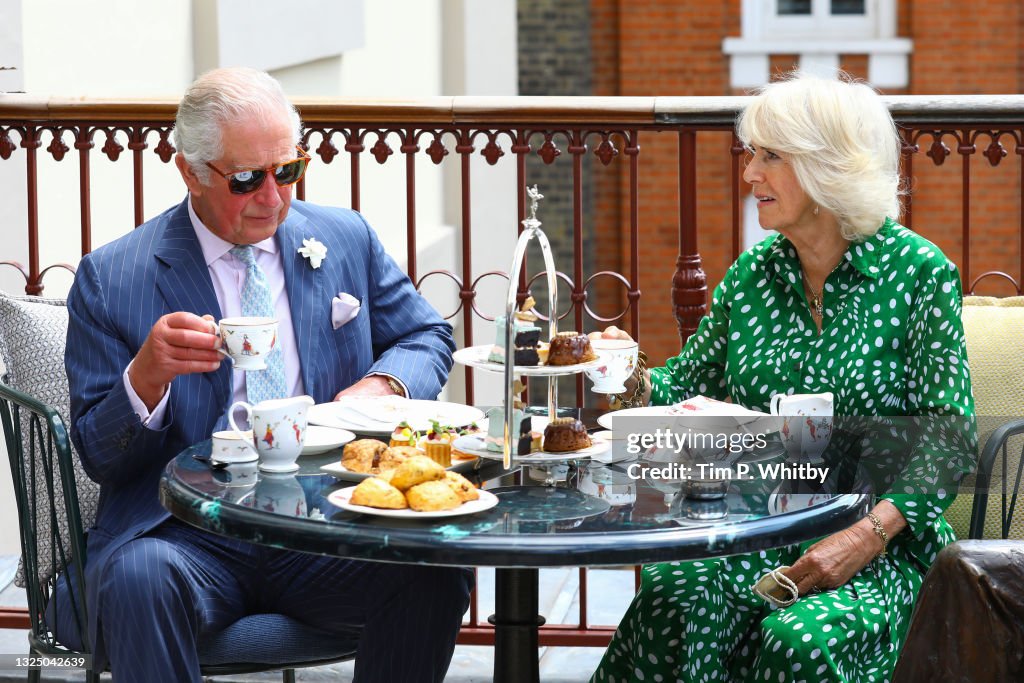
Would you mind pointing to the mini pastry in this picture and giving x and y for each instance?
(525, 337)
(570, 348)
(463, 487)
(416, 470)
(437, 443)
(565, 434)
(495, 440)
(404, 435)
(362, 456)
(377, 493)
(393, 456)
(432, 496)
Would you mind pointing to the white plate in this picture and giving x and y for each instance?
(486, 501)
(475, 445)
(322, 439)
(708, 418)
(342, 472)
(647, 411)
(476, 357)
(379, 417)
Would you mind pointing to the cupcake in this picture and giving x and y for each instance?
(404, 435)
(437, 444)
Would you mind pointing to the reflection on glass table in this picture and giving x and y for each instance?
(580, 513)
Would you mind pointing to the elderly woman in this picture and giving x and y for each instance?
(842, 299)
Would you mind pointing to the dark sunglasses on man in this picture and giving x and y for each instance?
(285, 174)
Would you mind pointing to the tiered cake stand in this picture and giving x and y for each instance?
(531, 231)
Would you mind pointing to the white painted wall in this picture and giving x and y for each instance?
(126, 48)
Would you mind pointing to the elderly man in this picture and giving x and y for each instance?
(147, 381)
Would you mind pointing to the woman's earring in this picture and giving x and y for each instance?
(815, 209)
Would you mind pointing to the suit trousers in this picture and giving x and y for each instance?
(163, 591)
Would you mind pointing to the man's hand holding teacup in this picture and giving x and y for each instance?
(178, 344)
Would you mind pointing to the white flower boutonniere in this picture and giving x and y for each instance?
(313, 251)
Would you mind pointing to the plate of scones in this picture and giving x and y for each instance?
(419, 488)
(365, 458)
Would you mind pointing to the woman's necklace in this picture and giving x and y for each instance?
(817, 305)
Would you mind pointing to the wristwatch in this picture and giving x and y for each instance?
(395, 385)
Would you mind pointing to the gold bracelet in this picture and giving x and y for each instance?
(879, 530)
(636, 399)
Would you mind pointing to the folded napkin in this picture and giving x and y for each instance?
(702, 405)
(390, 409)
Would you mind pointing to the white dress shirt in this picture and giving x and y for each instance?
(228, 275)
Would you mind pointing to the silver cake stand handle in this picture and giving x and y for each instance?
(531, 231)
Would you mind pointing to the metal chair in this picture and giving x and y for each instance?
(40, 454)
(999, 496)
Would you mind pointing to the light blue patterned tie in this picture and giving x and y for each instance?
(260, 385)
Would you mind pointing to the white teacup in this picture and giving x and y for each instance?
(806, 423)
(247, 340)
(232, 447)
(619, 361)
(278, 430)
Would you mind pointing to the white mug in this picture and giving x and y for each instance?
(806, 423)
(618, 358)
(232, 447)
(247, 340)
(278, 430)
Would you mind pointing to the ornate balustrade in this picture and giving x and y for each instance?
(619, 156)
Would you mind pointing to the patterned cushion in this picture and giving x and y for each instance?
(994, 328)
(33, 331)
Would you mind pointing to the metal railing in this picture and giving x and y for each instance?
(632, 165)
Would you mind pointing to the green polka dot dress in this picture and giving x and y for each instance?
(891, 344)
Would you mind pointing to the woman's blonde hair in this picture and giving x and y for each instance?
(841, 141)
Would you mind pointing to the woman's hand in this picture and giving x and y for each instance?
(835, 559)
(611, 332)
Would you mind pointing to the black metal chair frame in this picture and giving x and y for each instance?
(50, 461)
(998, 443)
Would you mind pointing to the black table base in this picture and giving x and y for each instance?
(516, 621)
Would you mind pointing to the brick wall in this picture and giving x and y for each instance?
(554, 59)
(671, 47)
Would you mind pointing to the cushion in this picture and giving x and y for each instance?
(33, 332)
(994, 329)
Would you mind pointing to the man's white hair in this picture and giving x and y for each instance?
(223, 97)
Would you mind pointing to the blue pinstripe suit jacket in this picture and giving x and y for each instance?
(121, 289)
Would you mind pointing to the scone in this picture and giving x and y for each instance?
(394, 456)
(431, 496)
(416, 470)
(362, 456)
(463, 487)
(377, 493)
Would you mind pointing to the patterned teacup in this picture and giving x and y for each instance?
(806, 423)
(278, 430)
(618, 361)
(247, 340)
(231, 447)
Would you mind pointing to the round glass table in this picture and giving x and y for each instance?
(582, 513)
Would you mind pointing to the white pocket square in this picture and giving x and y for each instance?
(344, 307)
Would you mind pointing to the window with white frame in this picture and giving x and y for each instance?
(821, 18)
(819, 31)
